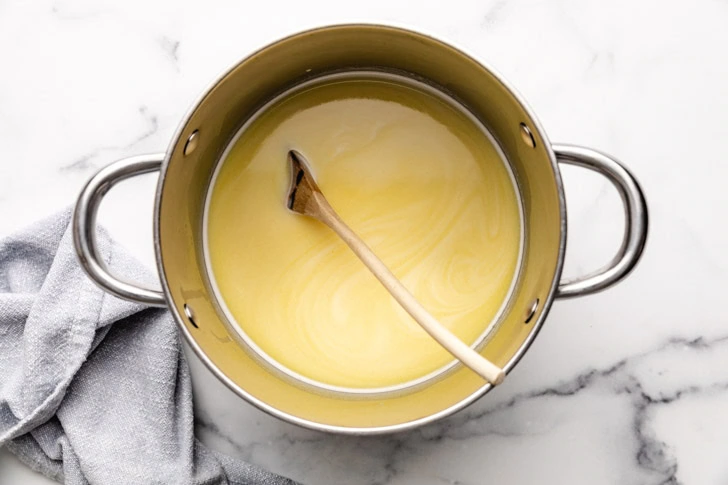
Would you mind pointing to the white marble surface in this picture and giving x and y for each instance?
(629, 386)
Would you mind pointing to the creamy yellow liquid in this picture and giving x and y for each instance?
(421, 184)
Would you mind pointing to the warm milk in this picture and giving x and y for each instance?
(420, 182)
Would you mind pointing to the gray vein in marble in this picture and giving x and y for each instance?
(605, 59)
(84, 162)
(390, 465)
(652, 455)
(697, 244)
(449, 481)
(171, 49)
(493, 13)
(203, 424)
(59, 10)
(576, 29)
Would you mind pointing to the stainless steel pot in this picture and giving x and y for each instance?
(188, 164)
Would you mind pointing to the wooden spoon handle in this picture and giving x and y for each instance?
(482, 366)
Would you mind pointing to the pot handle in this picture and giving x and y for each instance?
(635, 220)
(84, 227)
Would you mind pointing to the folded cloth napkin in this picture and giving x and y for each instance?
(94, 389)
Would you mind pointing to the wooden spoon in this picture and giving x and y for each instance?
(304, 197)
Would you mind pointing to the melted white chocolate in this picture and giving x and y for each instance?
(422, 185)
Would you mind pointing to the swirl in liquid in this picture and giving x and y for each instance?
(421, 184)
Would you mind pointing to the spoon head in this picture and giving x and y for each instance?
(302, 187)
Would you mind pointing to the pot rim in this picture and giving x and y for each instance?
(263, 406)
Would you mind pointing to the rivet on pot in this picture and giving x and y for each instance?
(527, 136)
(532, 311)
(192, 142)
(190, 315)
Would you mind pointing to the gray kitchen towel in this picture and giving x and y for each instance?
(94, 389)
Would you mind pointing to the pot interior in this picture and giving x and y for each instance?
(216, 119)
